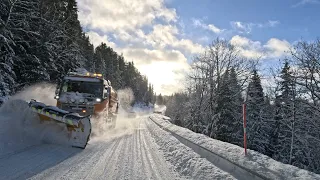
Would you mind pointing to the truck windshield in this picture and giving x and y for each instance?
(94, 88)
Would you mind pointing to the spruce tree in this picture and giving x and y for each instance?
(7, 75)
(257, 125)
(284, 115)
(224, 123)
(236, 110)
(42, 40)
(23, 23)
(160, 100)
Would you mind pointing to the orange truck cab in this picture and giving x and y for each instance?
(88, 95)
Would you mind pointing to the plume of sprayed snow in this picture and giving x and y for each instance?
(124, 126)
(20, 127)
(160, 109)
(126, 97)
(101, 130)
(81, 71)
(43, 92)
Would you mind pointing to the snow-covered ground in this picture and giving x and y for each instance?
(184, 159)
(259, 163)
(135, 149)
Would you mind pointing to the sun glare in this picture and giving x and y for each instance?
(163, 74)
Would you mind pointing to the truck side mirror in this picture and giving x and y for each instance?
(57, 91)
(105, 93)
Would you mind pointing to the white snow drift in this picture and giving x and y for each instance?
(257, 162)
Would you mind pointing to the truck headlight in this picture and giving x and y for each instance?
(98, 100)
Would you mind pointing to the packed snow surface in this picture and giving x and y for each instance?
(21, 128)
(185, 160)
(135, 149)
(257, 162)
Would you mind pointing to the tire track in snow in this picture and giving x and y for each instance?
(6, 155)
(141, 155)
(33, 161)
(68, 165)
(127, 161)
(146, 155)
(154, 158)
(138, 166)
(125, 156)
(117, 155)
(82, 171)
(98, 169)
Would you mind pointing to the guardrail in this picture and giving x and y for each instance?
(236, 170)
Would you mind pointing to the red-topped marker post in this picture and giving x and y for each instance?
(244, 128)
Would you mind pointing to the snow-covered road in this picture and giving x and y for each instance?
(131, 155)
(137, 149)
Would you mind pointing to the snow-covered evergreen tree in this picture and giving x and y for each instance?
(257, 125)
(224, 123)
(283, 127)
(7, 75)
(236, 110)
(41, 40)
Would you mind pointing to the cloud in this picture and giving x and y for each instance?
(210, 27)
(110, 15)
(243, 27)
(145, 56)
(247, 47)
(152, 36)
(164, 36)
(97, 39)
(273, 48)
(304, 2)
(145, 32)
(272, 23)
(277, 48)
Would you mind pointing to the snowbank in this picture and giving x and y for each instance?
(257, 162)
(21, 128)
(160, 109)
(184, 159)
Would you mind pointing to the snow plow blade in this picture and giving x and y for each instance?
(79, 127)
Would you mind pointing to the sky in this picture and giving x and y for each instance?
(162, 36)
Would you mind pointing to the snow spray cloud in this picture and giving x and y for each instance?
(21, 127)
(43, 92)
(126, 97)
(160, 109)
(124, 125)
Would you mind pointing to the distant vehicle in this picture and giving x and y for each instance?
(132, 114)
(158, 112)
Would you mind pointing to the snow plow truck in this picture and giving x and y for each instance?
(80, 96)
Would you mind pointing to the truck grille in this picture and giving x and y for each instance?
(78, 108)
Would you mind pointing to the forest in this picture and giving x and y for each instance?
(42, 40)
(283, 119)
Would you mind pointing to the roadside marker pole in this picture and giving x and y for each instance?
(244, 129)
